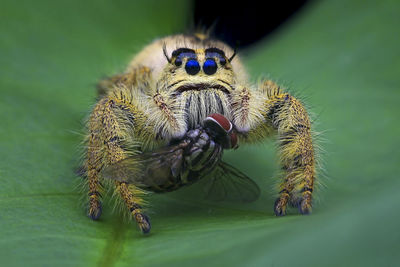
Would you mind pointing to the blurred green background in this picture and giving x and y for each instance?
(341, 57)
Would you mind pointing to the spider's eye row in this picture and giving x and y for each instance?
(192, 66)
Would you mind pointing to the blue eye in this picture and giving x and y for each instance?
(210, 67)
(192, 67)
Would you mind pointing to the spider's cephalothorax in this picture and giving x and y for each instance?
(169, 89)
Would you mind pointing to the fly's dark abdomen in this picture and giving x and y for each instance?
(189, 161)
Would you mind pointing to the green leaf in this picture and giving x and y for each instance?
(342, 58)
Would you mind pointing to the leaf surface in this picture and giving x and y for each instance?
(341, 58)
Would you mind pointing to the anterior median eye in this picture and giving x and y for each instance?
(210, 67)
(192, 67)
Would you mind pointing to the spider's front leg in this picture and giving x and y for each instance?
(282, 113)
(111, 124)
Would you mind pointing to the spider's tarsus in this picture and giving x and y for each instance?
(95, 214)
(279, 209)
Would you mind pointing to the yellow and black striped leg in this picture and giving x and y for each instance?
(94, 205)
(135, 209)
(281, 203)
(284, 195)
(305, 206)
(307, 187)
(287, 115)
(301, 197)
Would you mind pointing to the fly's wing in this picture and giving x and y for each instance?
(170, 167)
(148, 169)
(228, 183)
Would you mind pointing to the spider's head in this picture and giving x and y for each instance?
(196, 75)
(197, 62)
(200, 74)
(200, 69)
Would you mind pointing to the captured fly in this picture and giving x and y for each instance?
(196, 156)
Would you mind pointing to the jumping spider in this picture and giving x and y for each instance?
(165, 95)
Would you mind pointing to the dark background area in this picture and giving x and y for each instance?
(244, 23)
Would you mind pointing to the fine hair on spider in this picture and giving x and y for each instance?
(157, 113)
(166, 53)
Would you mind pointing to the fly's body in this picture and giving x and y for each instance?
(164, 110)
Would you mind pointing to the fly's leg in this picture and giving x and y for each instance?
(202, 157)
(108, 129)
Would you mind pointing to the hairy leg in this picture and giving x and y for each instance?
(285, 115)
(132, 201)
(128, 79)
(288, 116)
(107, 132)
